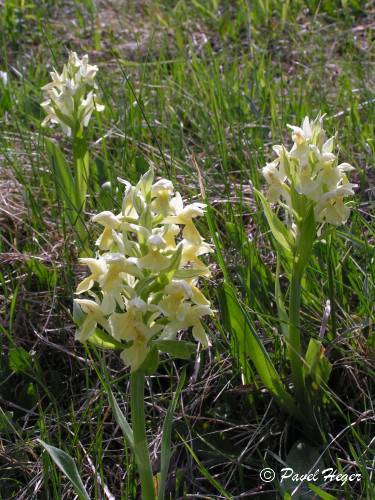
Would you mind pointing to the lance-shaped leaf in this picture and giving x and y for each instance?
(105, 341)
(119, 416)
(281, 233)
(316, 367)
(251, 346)
(68, 466)
(176, 348)
(64, 179)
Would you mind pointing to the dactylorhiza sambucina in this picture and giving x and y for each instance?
(70, 97)
(311, 185)
(143, 283)
(310, 169)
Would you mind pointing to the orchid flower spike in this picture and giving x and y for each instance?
(145, 276)
(310, 169)
(70, 97)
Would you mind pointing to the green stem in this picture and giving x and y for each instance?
(331, 286)
(294, 344)
(81, 171)
(139, 432)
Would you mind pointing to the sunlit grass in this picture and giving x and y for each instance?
(183, 83)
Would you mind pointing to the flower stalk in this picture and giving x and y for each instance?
(142, 457)
(143, 293)
(294, 332)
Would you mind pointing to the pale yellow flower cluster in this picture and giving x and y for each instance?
(143, 282)
(70, 97)
(311, 169)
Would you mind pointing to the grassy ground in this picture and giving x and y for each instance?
(184, 83)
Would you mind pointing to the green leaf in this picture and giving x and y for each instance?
(316, 367)
(68, 466)
(68, 195)
(119, 416)
(191, 272)
(166, 452)
(64, 179)
(81, 171)
(177, 348)
(303, 459)
(280, 303)
(281, 233)
(215, 237)
(105, 341)
(250, 346)
(151, 363)
(19, 360)
(7, 423)
(321, 494)
(45, 275)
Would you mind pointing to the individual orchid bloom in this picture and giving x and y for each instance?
(306, 182)
(173, 303)
(130, 327)
(98, 268)
(275, 178)
(87, 107)
(331, 176)
(191, 254)
(161, 193)
(129, 211)
(334, 211)
(70, 97)
(183, 215)
(112, 282)
(331, 207)
(311, 170)
(154, 260)
(191, 318)
(146, 270)
(122, 323)
(110, 223)
(94, 316)
(169, 235)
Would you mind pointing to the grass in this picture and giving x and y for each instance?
(204, 83)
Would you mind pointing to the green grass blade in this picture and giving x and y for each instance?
(166, 439)
(321, 494)
(205, 472)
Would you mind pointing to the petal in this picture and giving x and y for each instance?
(86, 330)
(200, 335)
